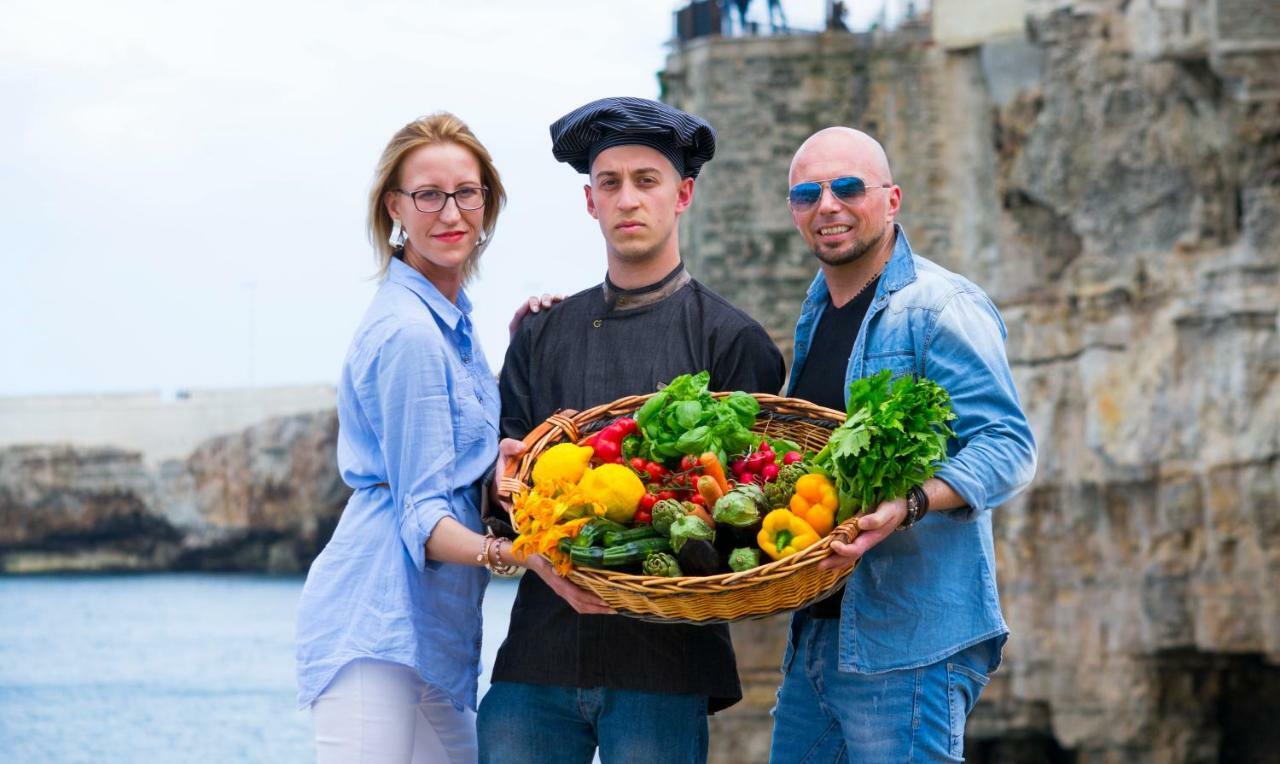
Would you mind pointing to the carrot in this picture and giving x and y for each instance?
(711, 466)
(703, 514)
(710, 490)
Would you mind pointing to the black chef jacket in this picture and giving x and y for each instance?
(595, 347)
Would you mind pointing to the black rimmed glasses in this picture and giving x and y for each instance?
(847, 189)
(433, 200)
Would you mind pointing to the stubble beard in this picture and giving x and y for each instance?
(856, 251)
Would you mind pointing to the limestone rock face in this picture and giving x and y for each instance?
(1113, 181)
(62, 507)
(263, 499)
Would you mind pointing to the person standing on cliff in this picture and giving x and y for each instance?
(889, 669)
(564, 683)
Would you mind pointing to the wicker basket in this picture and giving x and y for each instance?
(787, 584)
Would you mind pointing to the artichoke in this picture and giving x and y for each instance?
(739, 507)
(661, 564)
(689, 528)
(742, 559)
(778, 493)
(665, 513)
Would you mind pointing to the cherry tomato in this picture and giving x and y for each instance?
(666, 495)
(608, 450)
(638, 464)
(655, 470)
(688, 462)
(769, 472)
(696, 498)
(792, 457)
(647, 501)
(642, 517)
(627, 424)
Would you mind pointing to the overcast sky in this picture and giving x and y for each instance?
(182, 185)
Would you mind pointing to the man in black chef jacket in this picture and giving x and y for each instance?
(565, 683)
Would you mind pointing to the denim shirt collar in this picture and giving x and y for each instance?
(400, 272)
(898, 272)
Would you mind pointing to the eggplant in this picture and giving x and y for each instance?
(699, 558)
(731, 537)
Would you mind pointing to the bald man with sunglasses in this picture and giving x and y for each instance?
(889, 668)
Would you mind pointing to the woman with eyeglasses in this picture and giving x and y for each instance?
(389, 619)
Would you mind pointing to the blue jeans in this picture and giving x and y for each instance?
(827, 715)
(533, 724)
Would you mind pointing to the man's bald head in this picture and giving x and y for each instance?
(843, 144)
(842, 229)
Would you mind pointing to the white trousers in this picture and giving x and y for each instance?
(376, 712)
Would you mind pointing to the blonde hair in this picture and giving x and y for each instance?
(441, 127)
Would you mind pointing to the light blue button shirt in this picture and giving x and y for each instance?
(417, 427)
(926, 593)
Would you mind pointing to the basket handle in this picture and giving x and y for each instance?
(845, 532)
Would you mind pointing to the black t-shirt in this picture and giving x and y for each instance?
(821, 380)
(595, 347)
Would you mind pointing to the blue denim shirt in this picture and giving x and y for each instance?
(417, 427)
(928, 592)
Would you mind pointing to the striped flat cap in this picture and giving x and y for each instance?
(577, 137)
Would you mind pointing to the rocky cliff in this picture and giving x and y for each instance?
(263, 499)
(1112, 178)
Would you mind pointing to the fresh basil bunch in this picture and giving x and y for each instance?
(683, 418)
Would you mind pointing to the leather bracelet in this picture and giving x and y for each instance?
(917, 507)
(922, 500)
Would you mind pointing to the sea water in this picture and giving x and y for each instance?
(161, 668)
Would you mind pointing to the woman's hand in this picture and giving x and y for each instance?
(508, 449)
(532, 305)
(581, 600)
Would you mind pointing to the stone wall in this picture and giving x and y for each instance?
(1113, 181)
(159, 426)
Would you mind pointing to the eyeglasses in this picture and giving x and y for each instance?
(431, 200)
(847, 189)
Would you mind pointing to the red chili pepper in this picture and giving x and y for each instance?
(613, 432)
(628, 425)
(608, 450)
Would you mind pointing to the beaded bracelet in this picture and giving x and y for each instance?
(499, 568)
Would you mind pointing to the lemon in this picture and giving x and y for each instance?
(562, 463)
(615, 487)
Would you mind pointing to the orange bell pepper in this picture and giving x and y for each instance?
(815, 501)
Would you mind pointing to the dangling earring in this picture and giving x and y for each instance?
(481, 239)
(398, 235)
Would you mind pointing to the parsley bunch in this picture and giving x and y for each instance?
(895, 435)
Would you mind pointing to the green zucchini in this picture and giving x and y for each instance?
(594, 531)
(634, 551)
(617, 538)
(614, 556)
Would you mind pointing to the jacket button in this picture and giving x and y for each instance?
(597, 323)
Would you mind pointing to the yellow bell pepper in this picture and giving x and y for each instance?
(816, 503)
(783, 534)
